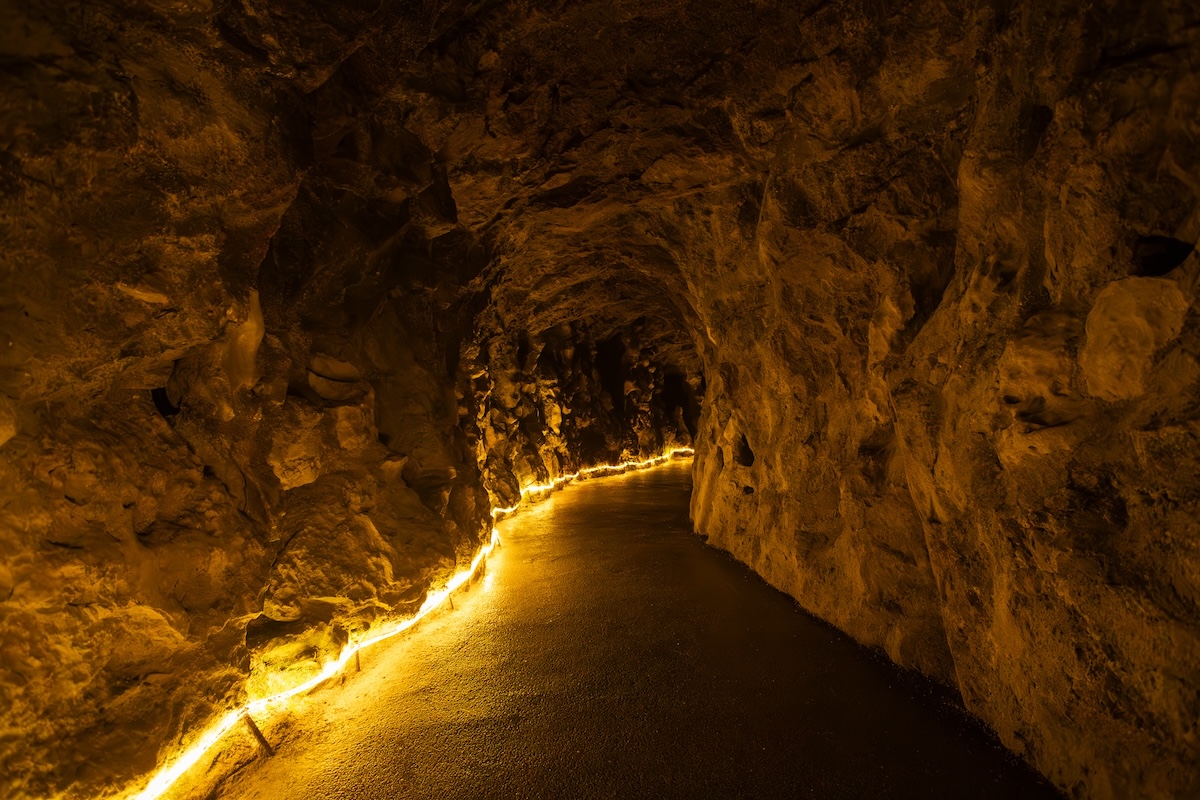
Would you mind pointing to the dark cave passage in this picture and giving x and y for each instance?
(296, 294)
(609, 653)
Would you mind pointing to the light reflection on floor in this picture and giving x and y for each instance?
(607, 652)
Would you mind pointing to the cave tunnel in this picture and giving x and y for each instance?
(297, 294)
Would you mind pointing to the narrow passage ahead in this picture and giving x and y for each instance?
(609, 653)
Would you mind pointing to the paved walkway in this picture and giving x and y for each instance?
(608, 653)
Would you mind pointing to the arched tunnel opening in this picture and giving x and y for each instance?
(298, 294)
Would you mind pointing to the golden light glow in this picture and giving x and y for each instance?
(264, 707)
(589, 472)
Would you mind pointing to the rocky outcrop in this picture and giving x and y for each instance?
(291, 288)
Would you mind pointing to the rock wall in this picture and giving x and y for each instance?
(555, 402)
(228, 426)
(289, 287)
(233, 341)
(982, 454)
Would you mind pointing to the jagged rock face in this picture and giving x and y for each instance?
(230, 434)
(553, 403)
(290, 288)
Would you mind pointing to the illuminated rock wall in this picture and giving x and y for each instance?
(233, 344)
(229, 425)
(288, 284)
(558, 401)
(231, 434)
(979, 337)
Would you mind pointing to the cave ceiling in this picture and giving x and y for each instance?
(560, 148)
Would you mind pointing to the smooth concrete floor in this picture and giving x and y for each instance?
(609, 653)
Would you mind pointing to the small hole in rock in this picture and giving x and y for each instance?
(162, 402)
(744, 455)
(1157, 255)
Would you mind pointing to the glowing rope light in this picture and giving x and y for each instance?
(588, 472)
(166, 777)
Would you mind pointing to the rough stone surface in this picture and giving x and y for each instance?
(290, 287)
(551, 404)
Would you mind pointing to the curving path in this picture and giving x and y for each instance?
(609, 653)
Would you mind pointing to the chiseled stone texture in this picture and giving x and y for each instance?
(291, 286)
(229, 436)
(559, 401)
(936, 263)
(979, 447)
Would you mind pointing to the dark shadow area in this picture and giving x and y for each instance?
(610, 355)
(1155, 256)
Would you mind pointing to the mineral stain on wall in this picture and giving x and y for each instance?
(295, 292)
